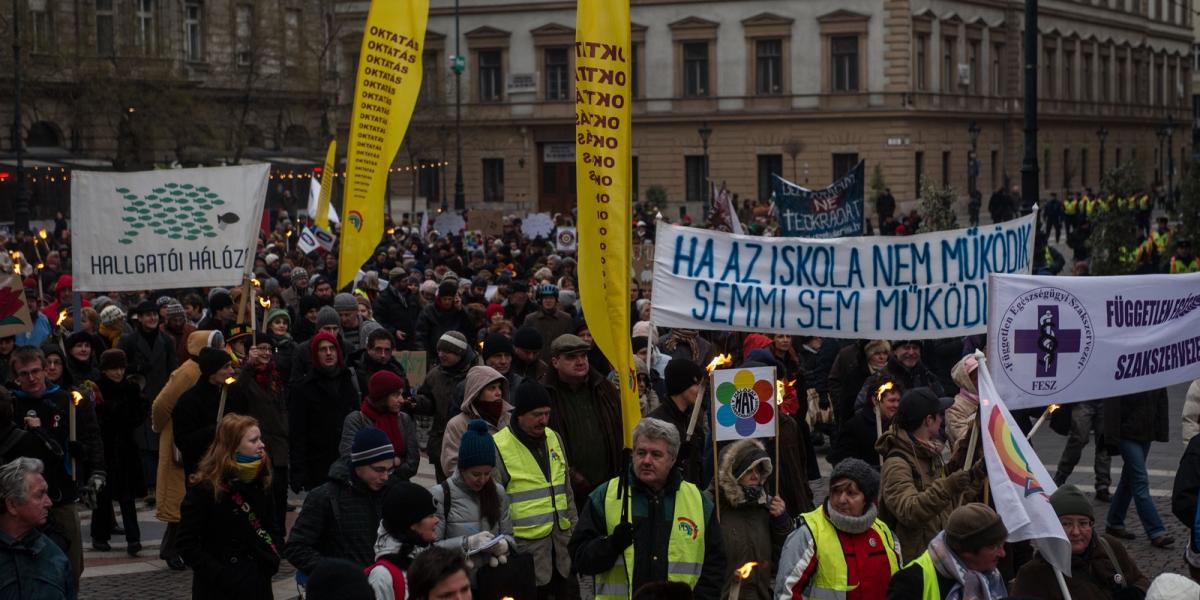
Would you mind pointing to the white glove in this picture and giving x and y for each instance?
(500, 550)
(477, 540)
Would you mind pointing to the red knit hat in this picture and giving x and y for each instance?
(382, 384)
(493, 309)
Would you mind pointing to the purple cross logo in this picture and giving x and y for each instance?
(1047, 341)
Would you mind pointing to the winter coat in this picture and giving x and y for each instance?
(794, 470)
(550, 326)
(410, 462)
(608, 403)
(433, 322)
(122, 411)
(317, 407)
(393, 309)
(340, 519)
(154, 362)
(651, 513)
(748, 530)
(846, 377)
(181, 341)
(918, 376)
(440, 397)
(477, 379)
(462, 517)
(1191, 413)
(690, 460)
(1092, 574)
(916, 496)
(868, 568)
(230, 543)
(1140, 417)
(269, 408)
(170, 483)
(53, 409)
(195, 418)
(364, 368)
(962, 415)
(1187, 484)
(856, 439)
(34, 568)
(59, 485)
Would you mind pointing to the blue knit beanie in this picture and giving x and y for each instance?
(370, 446)
(477, 447)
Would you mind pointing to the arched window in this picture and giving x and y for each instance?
(295, 136)
(43, 135)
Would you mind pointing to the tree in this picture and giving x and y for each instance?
(937, 207)
(1186, 211)
(1114, 233)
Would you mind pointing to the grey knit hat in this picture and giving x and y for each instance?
(328, 316)
(345, 302)
(860, 473)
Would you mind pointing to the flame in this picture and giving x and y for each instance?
(255, 282)
(780, 390)
(391, 231)
(883, 389)
(1053, 407)
(62, 316)
(42, 233)
(288, 233)
(717, 361)
(744, 570)
(230, 381)
(41, 266)
(264, 302)
(77, 396)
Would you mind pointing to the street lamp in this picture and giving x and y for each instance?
(705, 132)
(1170, 160)
(973, 161)
(1102, 134)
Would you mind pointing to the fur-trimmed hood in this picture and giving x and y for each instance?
(741, 456)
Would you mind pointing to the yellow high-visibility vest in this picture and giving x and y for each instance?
(832, 577)
(533, 501)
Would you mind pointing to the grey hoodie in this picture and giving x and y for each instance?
(477, 379)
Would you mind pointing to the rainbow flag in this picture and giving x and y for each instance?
(1021, 485)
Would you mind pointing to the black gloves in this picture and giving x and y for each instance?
(621, 537)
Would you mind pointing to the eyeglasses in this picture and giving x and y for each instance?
(1081, 525)
(30, 374)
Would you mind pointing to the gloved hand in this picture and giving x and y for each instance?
(97, 481)
(500, 550)
(621, 537)
(477, 540)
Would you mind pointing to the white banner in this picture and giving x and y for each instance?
(171, 228)
(744, 403)
(1021, 486)
(914, 287)
(1056, 340)
(314, 195)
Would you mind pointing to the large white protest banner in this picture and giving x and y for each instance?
(171, 228)
(915, 287)
(1056, 340)
(1021, 486)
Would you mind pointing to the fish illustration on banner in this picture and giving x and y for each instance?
(835, 211)
(745, 403)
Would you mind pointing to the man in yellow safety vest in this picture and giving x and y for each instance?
(668, 532)
(1184, 260)
(532, 467)
(961, 560)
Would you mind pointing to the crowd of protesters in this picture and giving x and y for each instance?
(171, 399)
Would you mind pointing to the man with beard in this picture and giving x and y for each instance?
(317, 405)
(549, 320)
(498, 354)
(259, 391)
(377, 355)
(178, 327)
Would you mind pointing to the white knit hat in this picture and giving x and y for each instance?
(1170, 586)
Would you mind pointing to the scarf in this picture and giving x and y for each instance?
(490, 411)
(688, 338)
(267, 377)
(247, 467)
(849, 524)
(388, 424)
(970, 396)
(969, 585)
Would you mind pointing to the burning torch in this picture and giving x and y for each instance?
(224, 392)
(1049, 411)
(740, 574)
(717, 361)
(883, 389)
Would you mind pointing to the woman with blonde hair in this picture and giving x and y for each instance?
(227, 532)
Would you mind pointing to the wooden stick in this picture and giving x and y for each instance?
(716, 465)
(986, 491)
(1062, 585)
(974, 440)
(777, 416)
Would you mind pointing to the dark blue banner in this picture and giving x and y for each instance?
(836, 211)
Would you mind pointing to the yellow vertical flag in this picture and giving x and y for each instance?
(322, 216)
(602, 170)
(385, 92)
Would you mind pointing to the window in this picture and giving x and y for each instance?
(40, 28)
(291, 36)
(973, 65)
(634, 79)
(243, 31)
(1068, 73)
(330, 47)
(144, 26)
(768, 67)
(843, 163)
(995, 170)
(998, 87)
(557, 64)
(1085, 78)
(429, 179)
(1083, 167)
(1118, 155)
(493, 180)
(1046, 168)
(844, 51)
(491, 76)
(105, 19)
(922, 60)
(949, 64)
(1105, 78)
(1048, 65)
(1122, 87)
(193, 33)
(429, 76)
(945, 168)
(633, 169)
(919, 171)
(1067, 176)
(694, 169)
(695, 69)
(768, 165)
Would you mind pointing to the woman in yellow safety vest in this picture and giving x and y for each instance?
(960, 562)
(840, 550)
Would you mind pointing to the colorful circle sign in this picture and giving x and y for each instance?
(745, 403)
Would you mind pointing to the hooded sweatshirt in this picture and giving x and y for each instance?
(916, 495)
(477, 379)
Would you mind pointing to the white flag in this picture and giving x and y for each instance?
(314, 193)
(1021, 486)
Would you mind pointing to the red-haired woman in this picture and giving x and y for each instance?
(227, 533)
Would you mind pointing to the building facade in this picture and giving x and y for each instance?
(802, 89)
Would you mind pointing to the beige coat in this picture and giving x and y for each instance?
(171, 485)
(477, 379)
(916, 496)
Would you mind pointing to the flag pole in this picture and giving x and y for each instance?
(778, 402)
(717, 462)
(1062, 585)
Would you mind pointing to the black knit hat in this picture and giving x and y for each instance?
(496, 344)
(530, 395)
(219, 301)
(113, 358)
(528, 338)
(447, 288)
(211, 360)
(862, 474)
(404, 505)
(682, 374)
(79, 337)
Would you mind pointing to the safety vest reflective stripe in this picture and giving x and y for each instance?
(1070, 207)
(535, 503)
(685, 547)
(831, 580)
(1160, 240)
(930, 589)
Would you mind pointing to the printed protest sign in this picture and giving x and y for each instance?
(565, 240)
(744, 403)
(171, 228)
(313, 238)
(835, 211)
(449, 223)
(14, 313)
(537, 225)
(413, 362)
(490, 222)
(472, 240)
(915, 287)
(1056, 340)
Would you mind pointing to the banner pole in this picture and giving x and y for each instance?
(1062, 585)
(712, 432)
